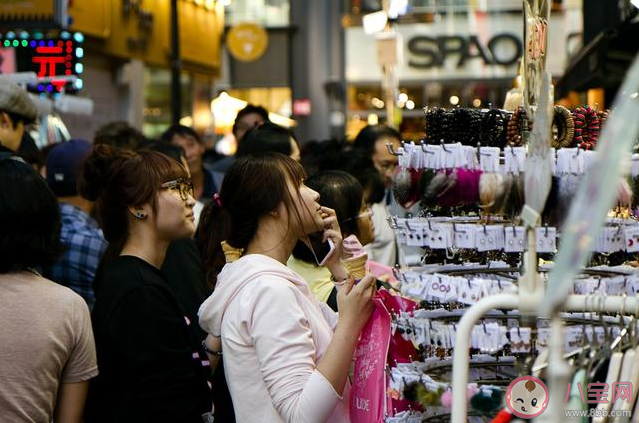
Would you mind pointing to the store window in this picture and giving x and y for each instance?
(268, 13)
(366, 102)
(157, 100)
(433, 6)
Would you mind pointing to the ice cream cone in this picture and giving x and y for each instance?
(231, 253)
(356, 266)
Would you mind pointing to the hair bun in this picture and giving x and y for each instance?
(98, 170)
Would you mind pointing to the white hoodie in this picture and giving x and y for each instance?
(273, 333)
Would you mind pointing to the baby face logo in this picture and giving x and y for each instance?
(527, 397)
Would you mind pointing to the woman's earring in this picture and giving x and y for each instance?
(139, 215)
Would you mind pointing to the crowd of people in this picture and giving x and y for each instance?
(140, 282)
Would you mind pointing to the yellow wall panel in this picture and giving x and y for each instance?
(26, 9)
(200, 33)
(141, 30)
(92, 17)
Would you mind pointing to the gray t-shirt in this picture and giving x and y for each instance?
(45, 339)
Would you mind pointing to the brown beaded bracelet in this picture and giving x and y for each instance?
(514, 127)
(563, 128)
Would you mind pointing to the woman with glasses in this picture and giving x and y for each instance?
(149, 362)
(341, 192)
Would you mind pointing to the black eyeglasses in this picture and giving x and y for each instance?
(183, 185)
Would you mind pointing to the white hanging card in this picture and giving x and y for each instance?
(546, 239)
(489, 159)
(515, 239)
(515, 159)
(631, 234)
(464, 235)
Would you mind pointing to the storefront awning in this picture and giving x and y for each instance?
(603, 63)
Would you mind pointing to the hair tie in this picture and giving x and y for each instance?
(217, 199)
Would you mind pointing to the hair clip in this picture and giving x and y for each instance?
(217, 199)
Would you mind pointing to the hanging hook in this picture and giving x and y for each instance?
(441, 143)
(424, 149)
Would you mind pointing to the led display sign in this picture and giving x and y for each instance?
(52, 58)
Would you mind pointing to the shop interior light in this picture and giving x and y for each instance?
(454, 100)
(397, 8)
(11, 35)
(186, 121)
(374, 22)
(78, 37)
(403, 97)
(410, 104)
(476, 102)
(225, 3)
(225, 108)
(372, 119)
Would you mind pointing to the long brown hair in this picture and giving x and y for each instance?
(253, 186)
(118, 179)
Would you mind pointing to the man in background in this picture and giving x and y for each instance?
(80, 235)
(204, 181)
(16, 111)
(248, 118)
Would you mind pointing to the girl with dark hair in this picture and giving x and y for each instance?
(340, 191)
(286, 356)
(47, 348)
(150, 370)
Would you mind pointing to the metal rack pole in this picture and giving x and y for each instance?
(611, 304)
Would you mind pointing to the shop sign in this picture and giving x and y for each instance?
(51, 58)
(302, 107)
(34, 13)
(247, 42)
(427, 52)
(481, 46)
(132, 9)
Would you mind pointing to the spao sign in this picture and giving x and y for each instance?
(486, 46)
(427, 52)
